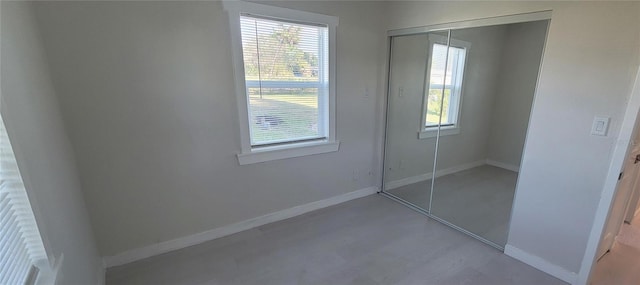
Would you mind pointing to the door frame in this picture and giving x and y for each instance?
(625, 187)
(611, 182)
(632, 204)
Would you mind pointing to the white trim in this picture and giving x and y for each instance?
(238, 70)
(455, 103)
(444, 131)
(287, 151)
(383, 111)
(407, 181)
(234, 10)
(423, 177)
(48, 274)
(503, 165)
(611, 182)
(541, 264)
(491, 21)
(279, 13)
(175, 244)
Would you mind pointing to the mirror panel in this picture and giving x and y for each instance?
(410, 147)
(457, 118)
(490, 84)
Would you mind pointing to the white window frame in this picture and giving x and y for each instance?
(456, 94)
(44, 267)
(249, 154)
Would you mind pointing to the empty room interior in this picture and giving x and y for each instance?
(319, 142)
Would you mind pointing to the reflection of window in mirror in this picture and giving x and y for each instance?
(445, 73)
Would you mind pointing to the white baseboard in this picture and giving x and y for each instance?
(171, 245)
(541, 264)
(102, 275)
(506, 166)
(407, 181)
(422, 177)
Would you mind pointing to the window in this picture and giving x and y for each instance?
(22, 254)
(445, 74)
(284, 61)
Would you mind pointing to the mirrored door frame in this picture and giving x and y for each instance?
(448, 27)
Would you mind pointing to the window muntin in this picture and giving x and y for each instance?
(286, 72)
(439, 112)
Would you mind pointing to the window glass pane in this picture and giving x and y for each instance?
(436, 80)
(286, 75)
(283, 113)
(438, 58)
(435, 105)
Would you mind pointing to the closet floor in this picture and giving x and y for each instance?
(477, 199)
(371, 240)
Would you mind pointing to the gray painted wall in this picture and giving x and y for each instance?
(520, 64)
(409, 156)
(146, 94)
(481, 79)
(46, 160)
(406, 155)
(588, 69)
(146, 90)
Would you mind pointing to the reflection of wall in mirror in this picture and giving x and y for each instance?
(499, 82)
(518, 77)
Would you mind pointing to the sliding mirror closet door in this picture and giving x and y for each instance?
(415, 81)
(488, 93)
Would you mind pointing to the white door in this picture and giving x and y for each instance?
(632, 206)
(624, 190)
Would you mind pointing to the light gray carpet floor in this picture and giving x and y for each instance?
(371, 240)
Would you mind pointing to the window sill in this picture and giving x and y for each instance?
(287, 151)
(443, 132)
